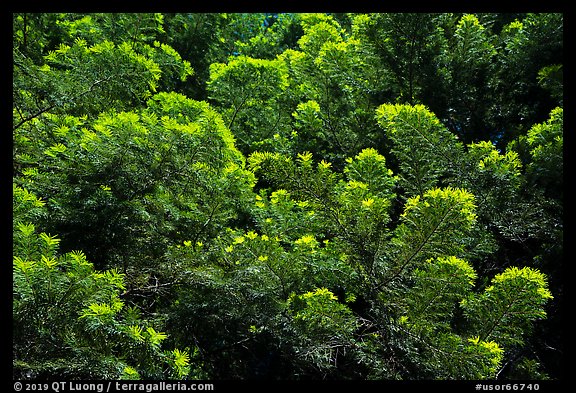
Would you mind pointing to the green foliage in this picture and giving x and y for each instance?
(425, 149)
(345, 208)
(249, 93)
(439, 285)
(430, 156)
(499, 165)
(466, 65)
(128, 175)
(496, 179)
(551, 78)
(141, 28)
(26, 207)
(270, 35)
(401, 48)
(327, 73)
(319, 29)
(204, 39)
(528, 45)
(88, 73)
(324, 327)
(364, 196)
(544, 142)
(70, 321)
(514, 299)
(432, 226)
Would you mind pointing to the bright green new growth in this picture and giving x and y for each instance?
(168, 157)
(420, 275)
(489, 159)
(432, 226)
(542, 149)
(438, 287)
(369, 167)
(323, 326)
(249, 94)
(547, 137)
(499, 316)
(61, 303)
(505, 310)
(426, 150)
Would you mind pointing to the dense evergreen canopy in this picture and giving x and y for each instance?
(287, 196)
